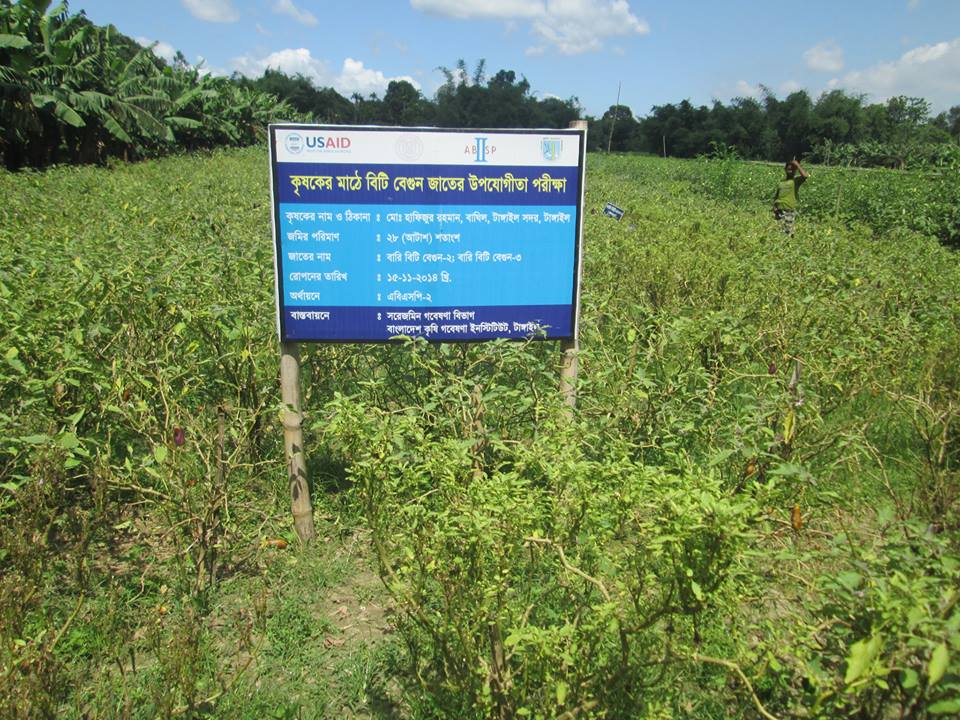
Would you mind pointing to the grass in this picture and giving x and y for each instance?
(306, 635)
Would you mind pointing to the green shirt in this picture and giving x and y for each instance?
(786, 197)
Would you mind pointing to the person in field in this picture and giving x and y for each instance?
(786, 201)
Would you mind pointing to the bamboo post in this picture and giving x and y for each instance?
(569, 369)
(569, 349)
(293, 442)
(616, 111)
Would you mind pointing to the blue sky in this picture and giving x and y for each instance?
(661, 51)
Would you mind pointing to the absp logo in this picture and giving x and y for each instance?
(481, 150)
(294, 143)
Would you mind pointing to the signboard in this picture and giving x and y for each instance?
(613, 211)
(450, 235)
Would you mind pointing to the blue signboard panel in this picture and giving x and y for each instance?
(450, 235)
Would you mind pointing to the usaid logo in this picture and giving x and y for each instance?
(331, 142)
(297, 143)
(294, 143)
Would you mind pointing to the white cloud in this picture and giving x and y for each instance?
(746, 90)
(913, 5)
(790, 86)
(203, 69)
(286, 7)
(572, 26)
(928, 71)
(221, 11)
(492, 9)
(161, 49)
(460, 76)
(577, 26)
(262, 30)
(927, 53)
(292, 61)
(354, 76)
(825, 57)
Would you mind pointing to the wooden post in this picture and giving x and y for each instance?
(293, 442)
(569, 361)
(569, 369)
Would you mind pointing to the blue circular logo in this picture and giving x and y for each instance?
(294, 143)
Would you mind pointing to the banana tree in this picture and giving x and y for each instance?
(37, 75)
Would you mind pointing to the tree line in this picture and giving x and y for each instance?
(837, 127)
(465, 99)
(72, 91)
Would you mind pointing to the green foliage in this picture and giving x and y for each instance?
(902, 156)
(754, 505)
(502, 101)
(71, 91)
(877, 638)
(835, 129)
(926, 202)
(537, 575)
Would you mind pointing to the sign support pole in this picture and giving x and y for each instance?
(293, 442)
(569, 349)
(569, 369)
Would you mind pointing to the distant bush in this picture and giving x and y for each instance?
(899, 156)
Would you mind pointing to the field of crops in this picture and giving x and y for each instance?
(753, 512)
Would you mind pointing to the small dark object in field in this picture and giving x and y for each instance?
(178, 437)
(772, 369)
(796, 519)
